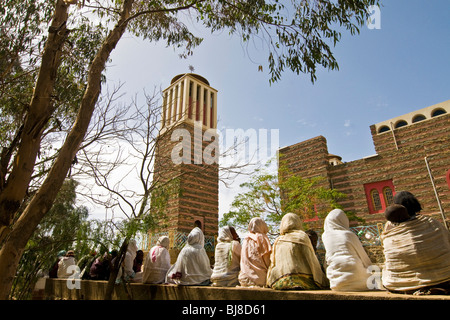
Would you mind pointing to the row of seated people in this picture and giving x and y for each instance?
(416, 249)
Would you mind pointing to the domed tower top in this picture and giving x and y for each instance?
(198, 77)
(189, 98)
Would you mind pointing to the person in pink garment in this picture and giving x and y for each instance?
(255, 255)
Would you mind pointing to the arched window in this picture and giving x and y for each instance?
(418, 118)
(383, 129)
(438, 112)
(379, 195)
(401, 123)
(388, 196)
(448, 178)
(376, 202)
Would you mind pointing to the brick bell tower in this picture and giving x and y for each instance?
(186, 163)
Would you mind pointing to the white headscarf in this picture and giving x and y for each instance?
(336, 220)
(128, 272)
(225, 234)
(196, 238)
(227, 259)
(161, 244)
(345, 256)
(157, 262)
(192, 262)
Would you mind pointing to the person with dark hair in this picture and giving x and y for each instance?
(409, 201)
(198, 224)
(396, 213)
(417, 251)
(313, 237)
(137, 262)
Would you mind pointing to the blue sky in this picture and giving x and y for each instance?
(383, 73)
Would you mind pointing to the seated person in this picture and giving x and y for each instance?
(294, 264)
(126, 271)
(395, 214)
(409, 201)
(347, 261)
(417, 253)
(227, 259)
(65, 263)
(192, 266)
(157, 262)
(255, 255)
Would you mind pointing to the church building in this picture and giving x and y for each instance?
(412, 154)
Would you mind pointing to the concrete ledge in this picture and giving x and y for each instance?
(57, 289)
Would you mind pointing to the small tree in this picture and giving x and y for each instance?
(270, 198)
(66, 226)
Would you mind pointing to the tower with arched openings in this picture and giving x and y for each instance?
(186, 163)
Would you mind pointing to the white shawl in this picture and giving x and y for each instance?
(127, 265)
(293, 253)
(417, 254)
(157, 262)
(346, 259)
(227, 260)
(192, 262)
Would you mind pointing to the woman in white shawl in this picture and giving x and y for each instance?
(227, 259)
(294, 264)
(255, 255)
(64, 265)
(157, 262)
(126, 270)
(192, 266)
(347, 261)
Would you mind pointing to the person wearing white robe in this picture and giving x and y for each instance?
(157, 262)
(347, 261)
(126, 270)
(64, 265)
(227, 259)
(192, 266)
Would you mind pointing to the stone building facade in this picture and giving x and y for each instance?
(412, 153)
(186, 164)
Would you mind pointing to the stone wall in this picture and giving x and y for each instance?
(57, 289)
(400, 158)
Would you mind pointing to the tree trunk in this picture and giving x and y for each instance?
(115, 270)
(39, 113)
(22, 230)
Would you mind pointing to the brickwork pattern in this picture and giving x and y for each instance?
(401, 160)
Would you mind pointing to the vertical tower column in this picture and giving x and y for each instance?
(187, 102)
